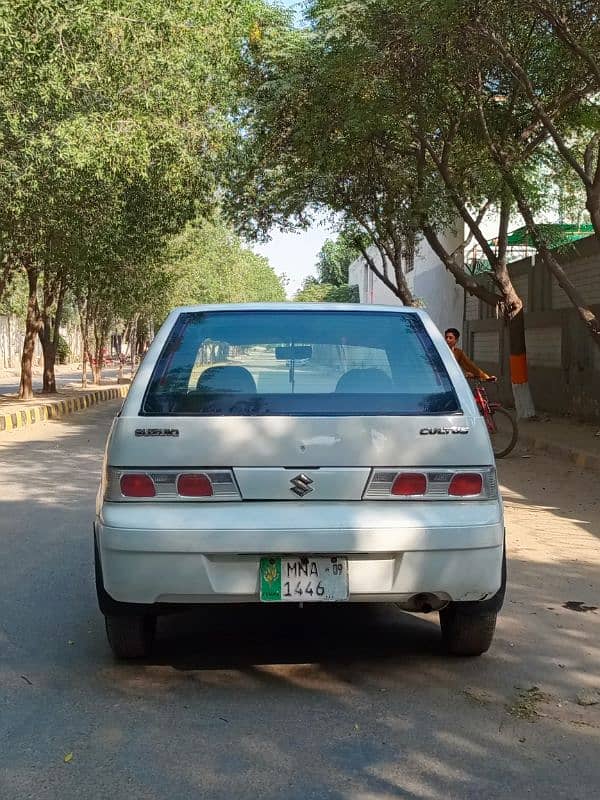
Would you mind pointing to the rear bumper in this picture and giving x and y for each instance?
(210, 553)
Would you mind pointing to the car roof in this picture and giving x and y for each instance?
(358, 307)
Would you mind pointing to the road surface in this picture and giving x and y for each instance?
(342, 703)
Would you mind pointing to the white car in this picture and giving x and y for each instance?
(299, 453)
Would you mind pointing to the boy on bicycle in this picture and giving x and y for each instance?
(470, 369)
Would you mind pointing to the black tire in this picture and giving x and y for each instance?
(468, 628)
(130, 636)
(510, 433)
(466, 633)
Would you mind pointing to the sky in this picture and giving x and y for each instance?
(294, 254)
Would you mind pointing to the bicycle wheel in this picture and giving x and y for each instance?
(506, 433)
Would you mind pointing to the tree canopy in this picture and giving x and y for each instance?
(114, 120)
(403, 115)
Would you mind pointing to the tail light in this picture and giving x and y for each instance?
(433, 484)
(409, 484)
(194, 485)
(125, 485)
(466, 484)
(137, 485)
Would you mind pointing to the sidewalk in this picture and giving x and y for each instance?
(15, 413)
(565, 438)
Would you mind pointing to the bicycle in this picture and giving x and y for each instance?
(501, 425)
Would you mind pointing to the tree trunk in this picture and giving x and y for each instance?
(49, 337)
(514, 313)
(593, 206)
(132, 342)
(85, 346)
(519, 375)
(49, 377)
(468, 283)
(97, 358)
(32, 327)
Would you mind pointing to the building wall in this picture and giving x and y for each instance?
(564, 363)
(12, 336)
(429, 281)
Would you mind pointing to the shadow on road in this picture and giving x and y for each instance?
(236, 637)
(327, 702)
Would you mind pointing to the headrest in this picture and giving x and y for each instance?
(225, 379)
(369, 381)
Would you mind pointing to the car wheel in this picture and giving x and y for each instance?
(131, 635)
(467, 633)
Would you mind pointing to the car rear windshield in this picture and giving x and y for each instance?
(305, 363)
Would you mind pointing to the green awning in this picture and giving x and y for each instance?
(556, 234)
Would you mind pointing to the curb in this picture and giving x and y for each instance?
(59, 408)
(578, 457)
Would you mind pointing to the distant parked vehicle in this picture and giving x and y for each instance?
(321, 453)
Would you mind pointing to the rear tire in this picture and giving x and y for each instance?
(507, 424)
(468, 627)
(130, 636)
(466, 633)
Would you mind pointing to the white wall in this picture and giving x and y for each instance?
(371, 290)
(441, 296)
(430, 282)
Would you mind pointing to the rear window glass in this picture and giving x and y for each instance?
(307, 363)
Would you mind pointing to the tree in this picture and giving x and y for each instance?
(549, 52)
(335, 257)
(292, 156)
(208, 263)
(560, 80)
(112, 127)
(362, 148)
(403, 115)
(314, 291)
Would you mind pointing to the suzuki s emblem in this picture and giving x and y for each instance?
(301, 485)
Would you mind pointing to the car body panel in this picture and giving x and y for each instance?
(170, 552)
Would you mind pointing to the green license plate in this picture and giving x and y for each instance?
(304, 580)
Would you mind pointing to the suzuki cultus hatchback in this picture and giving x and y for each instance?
(299, 453)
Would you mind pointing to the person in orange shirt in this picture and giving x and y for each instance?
(470, 369)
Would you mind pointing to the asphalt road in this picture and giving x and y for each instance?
(342, 703)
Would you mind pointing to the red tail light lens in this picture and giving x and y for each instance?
(134, 485)
(194, 486)
(465, 484)
(409, 483)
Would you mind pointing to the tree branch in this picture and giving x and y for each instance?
(478, 220)
(518, 71)
(457, 200)
(463, 278)
(564, 34)
(585, 313)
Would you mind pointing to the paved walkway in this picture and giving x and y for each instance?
(68, 376)
(71, 396)
(563, 437)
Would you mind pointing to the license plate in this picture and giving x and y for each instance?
(303, 580)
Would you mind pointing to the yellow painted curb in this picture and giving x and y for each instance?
(31, 414)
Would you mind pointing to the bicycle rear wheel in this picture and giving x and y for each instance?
(506, 433)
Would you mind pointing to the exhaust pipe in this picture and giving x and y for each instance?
(425, 603)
